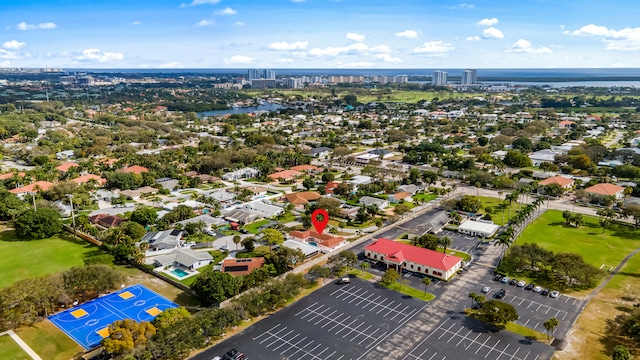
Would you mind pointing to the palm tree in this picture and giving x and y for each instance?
(445, 242)
(236, 240)
(504, 241)
(426, 282)
(364, 266)
(550, 326)
(473, 297)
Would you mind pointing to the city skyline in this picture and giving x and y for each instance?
(318, 34)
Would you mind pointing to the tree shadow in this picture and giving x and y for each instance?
(479, 326)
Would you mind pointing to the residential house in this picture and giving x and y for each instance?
(64, 155)
(244, 173)
(564, 182)
(368, 201)
(399, 197)
(307, 250)
(605, 189)
(320, 152)
(11, 175)
(168, 183)
(184, 258)
(309, 169)
(410, 188)
(236, 266)
(240, 216)
(135, 169)
(302, 198)
(326, 242)
(381, 153)
(161, 240)
(136, 194)
(414, 259)
(262, 209)
(31, 188)
(90, 177)
(258, 191)
(66, 166)
(105, 220)
(209, 221)
(545, 155)
(330, 187)
(285, 175)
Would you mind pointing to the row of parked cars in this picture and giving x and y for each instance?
(531, 287)
(232, 354)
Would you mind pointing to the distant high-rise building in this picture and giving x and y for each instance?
(439, 78)
(269, 74)
(256, 74)
(470, 76)
(293, 83)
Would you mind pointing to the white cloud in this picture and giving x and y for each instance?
(13, 45)
(239, 59)
(239, 23)
(136, 23)
(352, 49)
(24, 26)
(464, 5)
(388, 58)
(627, 39)
(99, 56)
(492, 33)
(226, 11)
(524, 46)
(203, 23)
(381, 49)
(434, 48)
(171, 65)
(355, 37)
(4, 64)
(408, 34)
(487, 22)
(284, 60)
(285, 46)
(201, 2)
(473, 38)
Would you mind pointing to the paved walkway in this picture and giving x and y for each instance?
(22, 344)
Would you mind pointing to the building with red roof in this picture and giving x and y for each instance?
(326, 242)
(285, 175)
(564, 182)
(35, 187)
(235, 266)
(11, 174)
(66, 166)
(302, 198)
(88, 177)
(606, 189)
(307, 168)
(106, 221)
(413, 258)
(136, 169)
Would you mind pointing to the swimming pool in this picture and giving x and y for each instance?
(179, 273)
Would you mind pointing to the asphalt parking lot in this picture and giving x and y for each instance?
(534, 309)
(460, 337)
(335, 322)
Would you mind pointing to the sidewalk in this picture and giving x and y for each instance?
(22, 344)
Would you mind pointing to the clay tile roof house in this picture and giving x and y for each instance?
(331, 186)
(285, 175)
(306, 168)
(414, 259)
(36, 186)
(136, 169)
(67, 166)
(10, 175)
(400, 196)
(237, 266)
(105, 220)
(560, 180)
(88, 177)
(302, 198)
(326, 242)
(606, 189)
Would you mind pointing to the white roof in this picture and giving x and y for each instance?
(305, 248)
(477, 226)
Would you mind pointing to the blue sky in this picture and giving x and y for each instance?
(319, 33)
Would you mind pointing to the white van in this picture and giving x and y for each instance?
(344, 280)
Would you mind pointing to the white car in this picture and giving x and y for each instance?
(521, 283)
(554, 294)
(537, 289)
(486, 289)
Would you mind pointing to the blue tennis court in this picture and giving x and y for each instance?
(88, 323)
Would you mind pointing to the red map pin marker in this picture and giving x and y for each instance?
(320, 224)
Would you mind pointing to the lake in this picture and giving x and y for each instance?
(242, 110)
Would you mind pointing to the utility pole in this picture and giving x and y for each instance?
(73, 218)
(33, 197)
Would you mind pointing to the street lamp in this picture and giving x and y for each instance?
(73, 218)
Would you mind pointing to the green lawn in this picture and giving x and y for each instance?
(253, 227)
(596, 248)
(526, 332)
(365, 275)
(407, 290)
(28, 259)
(9, 350)
(465, 257)
(261, 250)
(48, 341)
(424, 197)
(499, 214)
(286, 218)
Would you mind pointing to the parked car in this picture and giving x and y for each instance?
(521, 283)
(544, 292)
(343, 280)
(486, 289)
(498, 277)
(500, 294)
(505, 280)
(554, 294)
(513, 282)
(530, 286)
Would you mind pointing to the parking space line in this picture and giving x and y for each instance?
(445, 332)
(526, 356)
(464, 338)
(456, 334)
(481, 346)
(472, 342)
(514, 354)
(283, 343)
(280, 338)
(523, 299)
(299, 348)
(502, 352)
(386, 334)
(338, 323)
(383, 305)
(493, 348)
(303, 310)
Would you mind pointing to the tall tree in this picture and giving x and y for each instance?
(550, 326)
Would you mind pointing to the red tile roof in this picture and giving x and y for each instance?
(305, 168)
(560, 180)
(401, 195)
(285, 175)
(66, 166)
(241, 266)
(41, 185)
(88, 177)
(303, 197)
(136, 169)
(331, 186)
(604, 189)
(399, 252)
(10, 175)
(324, 239)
